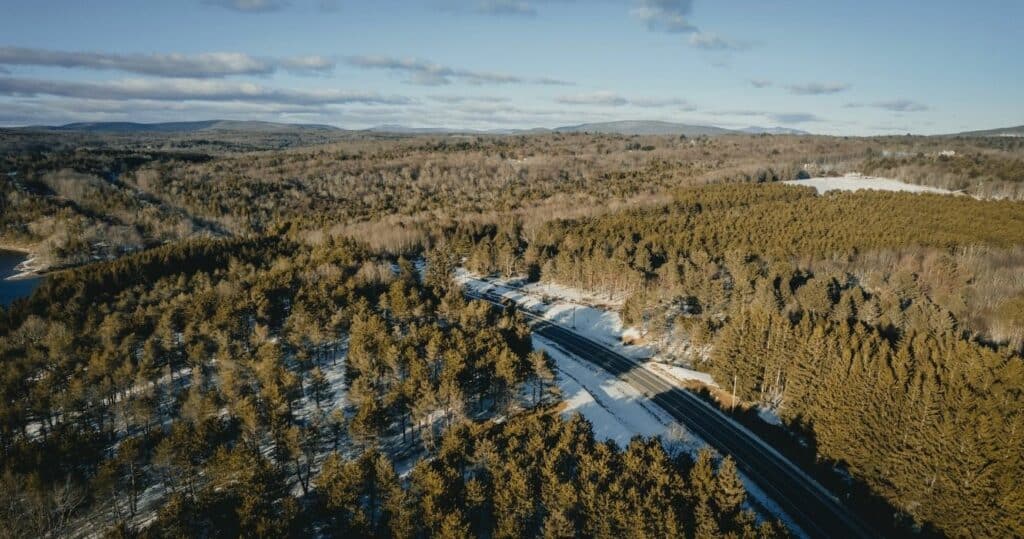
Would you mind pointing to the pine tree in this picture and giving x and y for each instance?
(730, 493)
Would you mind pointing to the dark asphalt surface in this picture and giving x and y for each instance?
(815, 510)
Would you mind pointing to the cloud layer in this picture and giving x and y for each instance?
(505, 7)
(612, 99)
(204, 65)
(430, 74)
(249, 6)
(896, 105)
(187, 90)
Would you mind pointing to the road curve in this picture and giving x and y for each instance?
(815, 510)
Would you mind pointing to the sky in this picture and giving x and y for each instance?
(839, 67)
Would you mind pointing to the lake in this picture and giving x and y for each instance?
(12, 290)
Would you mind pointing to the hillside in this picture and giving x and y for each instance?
(644, 127)
(1000, 132)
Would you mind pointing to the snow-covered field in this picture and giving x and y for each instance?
(855, 182)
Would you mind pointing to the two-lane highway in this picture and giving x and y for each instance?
(815, 510)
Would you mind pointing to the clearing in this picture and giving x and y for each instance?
(855, 182)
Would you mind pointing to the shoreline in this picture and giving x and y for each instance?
(26, 268)
(25, 275)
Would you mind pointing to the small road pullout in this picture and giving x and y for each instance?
(811, 506)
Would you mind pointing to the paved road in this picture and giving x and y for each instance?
(813, 508)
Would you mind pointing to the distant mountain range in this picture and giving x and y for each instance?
(630, 127)
(625, 127)
(753, 130)
(1001, 132)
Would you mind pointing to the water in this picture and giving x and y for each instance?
(12, 290)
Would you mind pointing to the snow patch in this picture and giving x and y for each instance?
(856, 182)
(617, 411)
(681, 374)
(769, 416)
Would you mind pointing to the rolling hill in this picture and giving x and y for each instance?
(1000, 132)
(633, 127)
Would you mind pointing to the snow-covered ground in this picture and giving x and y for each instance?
(334, 373)
(567, 307)
(855, 182)
(617, 411)
(673, 372)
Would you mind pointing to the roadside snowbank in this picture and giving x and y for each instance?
(566, 308)
(673, 372)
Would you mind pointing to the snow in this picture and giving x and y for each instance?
(575, 295)
(566, 307)
(769, 416)
(334, 372)
(26, 269)
(674, 372)
(616, 410)
(855, 182)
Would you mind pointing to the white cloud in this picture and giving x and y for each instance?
(188, 90)
(666, 15)
(613, 99)
(249, 6)
(669, 102)
(818, 88)
(505, 7)
(430, 74)
(896, 105)
(710, 41)
(451, 99)
(203, 65)
(595, 98)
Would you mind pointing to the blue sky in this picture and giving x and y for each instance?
(844, 67)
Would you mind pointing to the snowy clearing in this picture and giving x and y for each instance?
(617, 411)
(855, 182)
(566, 308)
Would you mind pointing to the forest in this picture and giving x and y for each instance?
(189, 381)
(260, 336)
(117, 194)
(852, 314)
